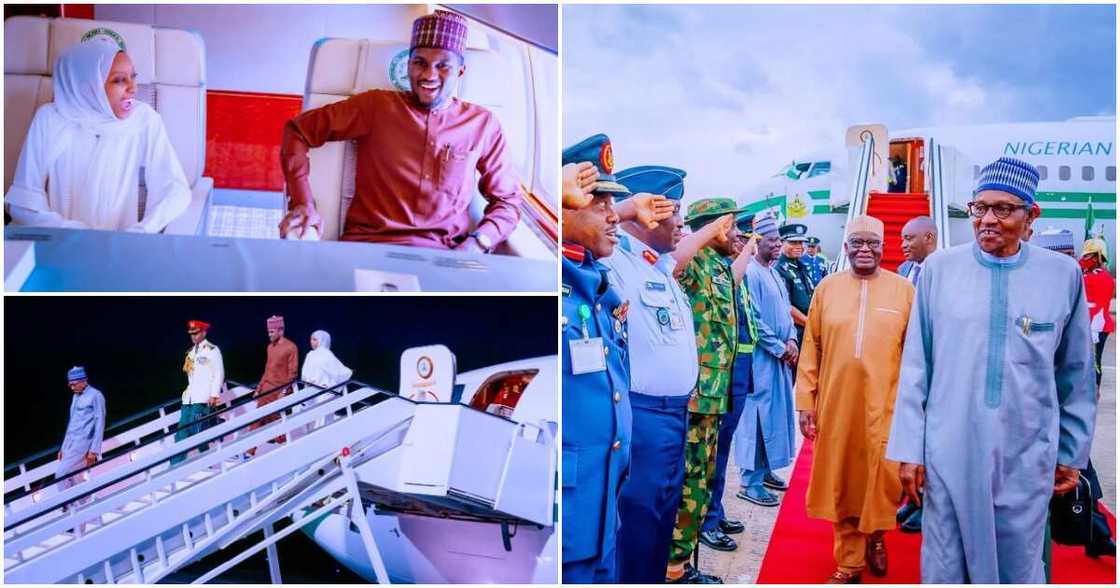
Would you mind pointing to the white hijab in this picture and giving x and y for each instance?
(80, 165)
(321, 367)
(79, 87)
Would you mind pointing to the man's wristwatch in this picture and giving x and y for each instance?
(483, 240)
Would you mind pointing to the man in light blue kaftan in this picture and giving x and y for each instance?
(764, 438)
(996, 397)
(82, 445)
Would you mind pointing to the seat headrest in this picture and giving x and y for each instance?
(41, 40)
(344, 67)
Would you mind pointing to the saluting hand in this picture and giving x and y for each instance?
(1065, 479)
(746, 247)
(651, 209)
(299, 218)
(578, 185)
(913, 477)
(722, 228)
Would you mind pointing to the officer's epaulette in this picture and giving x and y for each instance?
(207, 345)
(574, 252)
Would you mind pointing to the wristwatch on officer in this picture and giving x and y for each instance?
(483, 241)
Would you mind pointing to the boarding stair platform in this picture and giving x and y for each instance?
(341, 450)
(895, 209)
(937, 173)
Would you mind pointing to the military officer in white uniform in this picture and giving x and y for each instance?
(663, 369)
(205, 377)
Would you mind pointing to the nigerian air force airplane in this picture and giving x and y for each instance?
(1076, 160)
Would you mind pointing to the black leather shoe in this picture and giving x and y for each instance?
(731, 527)
(694, 576)
(718, 540)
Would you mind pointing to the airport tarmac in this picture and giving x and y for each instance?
(742, 565)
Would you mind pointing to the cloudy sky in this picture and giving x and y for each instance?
(731, 93)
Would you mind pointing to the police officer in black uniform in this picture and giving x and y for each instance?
(797, 274)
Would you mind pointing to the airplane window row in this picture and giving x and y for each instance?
(1088, 172)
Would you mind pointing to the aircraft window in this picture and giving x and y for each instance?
(1042, 172)
(1063, 172)
(1087, 173)
(500, 393)
(1110, 173)
(820, 168)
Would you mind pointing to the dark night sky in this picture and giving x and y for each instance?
(133, 347)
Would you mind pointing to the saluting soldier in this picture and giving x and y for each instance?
(663, 368)
(709, 277)
(796, 274)
(205, 377)
(596, 378)
(717, 527)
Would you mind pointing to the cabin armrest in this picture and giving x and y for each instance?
(190, 222)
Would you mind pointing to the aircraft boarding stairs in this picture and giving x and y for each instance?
(144, 519)
(896, 209)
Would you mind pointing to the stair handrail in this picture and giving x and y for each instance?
(207, 436)
(351, 402)
(111, 430)
(857, 200)
(17, 493)
(938, 203)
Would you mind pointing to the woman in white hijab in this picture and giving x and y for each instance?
(321, 367)
(82, 161)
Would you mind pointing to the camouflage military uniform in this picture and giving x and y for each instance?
(710, 287)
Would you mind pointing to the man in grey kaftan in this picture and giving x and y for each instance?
(996, 396)
(82, 445)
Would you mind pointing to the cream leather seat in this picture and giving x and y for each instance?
(495, 79)
(171, 71)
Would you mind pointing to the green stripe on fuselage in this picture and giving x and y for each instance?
(1104, 204)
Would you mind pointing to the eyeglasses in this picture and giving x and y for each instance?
(1002, 211)
(857, 244)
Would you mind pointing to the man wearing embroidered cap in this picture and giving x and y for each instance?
(280, 368)
(417, 154)
(205, 378)
(596, 378)
(711, 280)
(848, 372)
(81, 447)
(992, 358)
(662, 364)
(764, 435)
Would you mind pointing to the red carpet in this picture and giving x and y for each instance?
(800, 550)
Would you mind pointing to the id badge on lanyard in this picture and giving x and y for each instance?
(587, 352)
